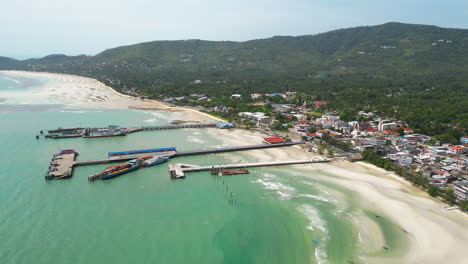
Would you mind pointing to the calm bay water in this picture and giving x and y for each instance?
(144, 216)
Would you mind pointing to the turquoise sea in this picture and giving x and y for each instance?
(279, 215)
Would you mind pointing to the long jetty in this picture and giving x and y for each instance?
(178, 170)
(148, 128)
(74, 132)
(238, 148)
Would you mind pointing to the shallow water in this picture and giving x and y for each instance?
(280, 215)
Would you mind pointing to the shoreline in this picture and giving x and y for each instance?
(421, 216)
(98, 94)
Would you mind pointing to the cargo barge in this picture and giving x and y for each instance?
(233, 172)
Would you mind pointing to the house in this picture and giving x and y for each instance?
(390, 132)
(386, 126)
(458, 149)
(370, 130)
(377, 141)
(255, 95)
(245, 114)
(461, 191)
(411, 139)
(362, 126)
(437, 150)
(274, 140)
(318, 104)
(405, 130)
(236, 96)
(464, 140)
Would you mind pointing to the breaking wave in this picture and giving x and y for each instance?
(317, 224)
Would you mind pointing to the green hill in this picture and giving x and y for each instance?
(388, 68)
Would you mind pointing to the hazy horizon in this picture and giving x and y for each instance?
(88, 27)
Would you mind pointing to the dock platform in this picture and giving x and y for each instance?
(61, 166)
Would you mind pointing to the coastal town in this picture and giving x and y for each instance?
(438, 167)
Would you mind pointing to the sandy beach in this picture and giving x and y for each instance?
(428, 226)
(435, 235)
(82, 92)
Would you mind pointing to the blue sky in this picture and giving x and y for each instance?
(32, 28)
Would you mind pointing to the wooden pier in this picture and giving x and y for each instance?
(178, 170)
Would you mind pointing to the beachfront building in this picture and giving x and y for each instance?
(461, 191)
(274, 140)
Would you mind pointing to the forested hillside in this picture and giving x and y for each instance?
(415, 72)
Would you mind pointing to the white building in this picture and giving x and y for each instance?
(383, 126)
(461, 191)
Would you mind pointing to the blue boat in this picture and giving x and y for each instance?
(155, 161)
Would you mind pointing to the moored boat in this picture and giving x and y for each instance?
(233, 172)
(155, 161)
(114, 171)
(111, 131)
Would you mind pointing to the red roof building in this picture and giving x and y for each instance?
(274, 140)
(388, 131)
(370, 129)
(317, 104)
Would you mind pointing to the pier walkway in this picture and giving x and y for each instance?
(178, 170)
(148, 128)
(238, 148)
(82, 131)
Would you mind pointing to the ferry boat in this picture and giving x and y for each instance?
(131, 166)
(111, 131)
(114, 171)
(155, 161)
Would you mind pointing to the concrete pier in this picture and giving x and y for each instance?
(61, 166)
(178, 170)
(80, 131)
(237, 148)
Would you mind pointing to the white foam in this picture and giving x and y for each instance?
(284, 192)
(269, 175)
(79, 111)
(10, 79)
(283, 196)
(316, 223)
(151, 120)
(316, 197)
(193, 139)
